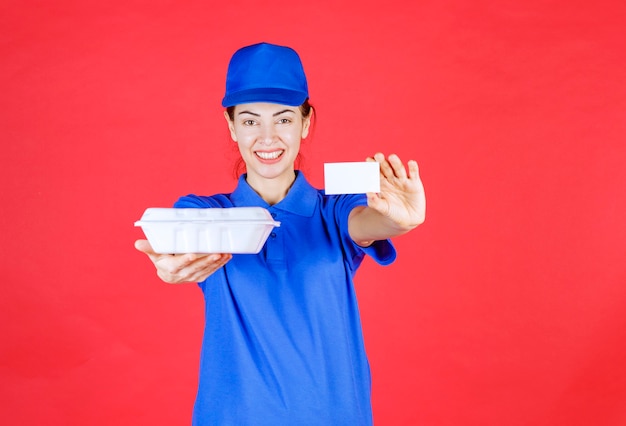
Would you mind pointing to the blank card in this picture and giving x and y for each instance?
(351, 178)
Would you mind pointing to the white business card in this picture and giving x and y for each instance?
(351, 178)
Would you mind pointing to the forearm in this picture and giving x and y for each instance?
(367, 225)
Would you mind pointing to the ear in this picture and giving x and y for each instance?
(231, 126)
(306, 125)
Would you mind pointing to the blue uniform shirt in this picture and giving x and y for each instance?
(282, 341)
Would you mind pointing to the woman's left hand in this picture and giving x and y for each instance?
(401, 198)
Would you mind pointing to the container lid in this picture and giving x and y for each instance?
(195, 215)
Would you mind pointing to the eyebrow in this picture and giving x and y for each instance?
(273, 115)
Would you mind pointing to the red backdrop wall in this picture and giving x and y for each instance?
(505, 308)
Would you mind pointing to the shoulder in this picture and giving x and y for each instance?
(203, 201)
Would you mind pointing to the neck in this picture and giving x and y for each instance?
(272, 190)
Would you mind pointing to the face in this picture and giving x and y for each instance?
(268, 136)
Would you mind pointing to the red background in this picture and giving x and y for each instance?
(505, 308)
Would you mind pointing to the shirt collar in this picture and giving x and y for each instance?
(301, 198)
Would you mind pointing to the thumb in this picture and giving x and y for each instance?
(144, 246)
(374, 201)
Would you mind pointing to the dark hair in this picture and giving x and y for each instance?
(306, 109)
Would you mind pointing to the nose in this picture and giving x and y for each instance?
(267, 136)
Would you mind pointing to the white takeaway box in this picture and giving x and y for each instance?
(211, 230)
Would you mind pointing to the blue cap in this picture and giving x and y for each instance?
(265, 72)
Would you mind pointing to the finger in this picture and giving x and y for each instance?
(385, 167)
(171, 267)
(396, 164)
(194, 257)
(415, 177)
(199, 271)
(223, 260)
(178, 269)
(190, 263)
(414, 171)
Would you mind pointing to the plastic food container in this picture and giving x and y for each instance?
(212, 230)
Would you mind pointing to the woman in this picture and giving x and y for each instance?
(282, 341)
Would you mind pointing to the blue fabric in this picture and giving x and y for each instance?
(265, 72)
(283, 343)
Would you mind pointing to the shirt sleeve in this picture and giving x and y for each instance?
(202, 202)
(382, 251)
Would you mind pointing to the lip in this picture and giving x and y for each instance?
(269, 157)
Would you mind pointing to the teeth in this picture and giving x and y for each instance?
(269, 155)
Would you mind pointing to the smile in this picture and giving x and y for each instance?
(269, 155)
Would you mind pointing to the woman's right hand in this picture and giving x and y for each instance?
(183, 268)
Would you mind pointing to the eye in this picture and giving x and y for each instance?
(284, 120)
(249, 123)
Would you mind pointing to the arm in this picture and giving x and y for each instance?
(183, 268)
(399, 207)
